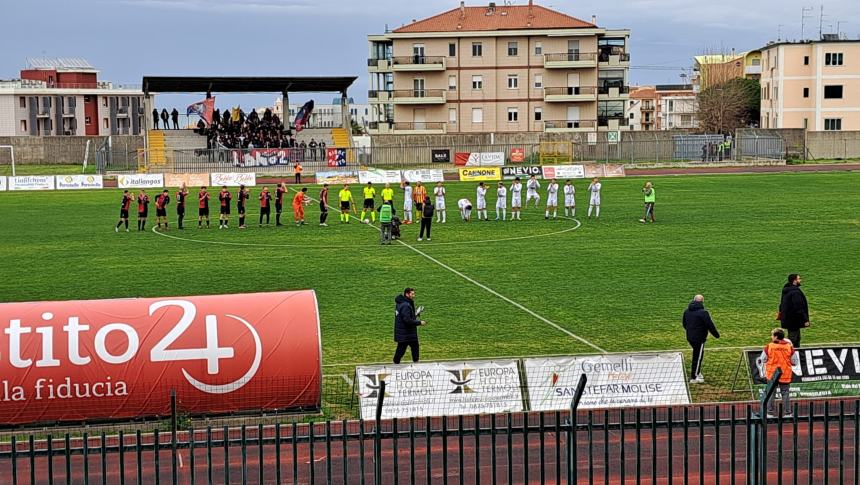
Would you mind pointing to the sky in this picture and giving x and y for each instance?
(127, 39)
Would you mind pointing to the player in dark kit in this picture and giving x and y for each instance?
(225, 197)
(202, 207)
(324, 205)
(161, 202)
(181, 195)
(279, 202)
(123, 210)
(241, 197)
(265, 205)
(142, 210)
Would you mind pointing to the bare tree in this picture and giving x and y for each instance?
(722, 98)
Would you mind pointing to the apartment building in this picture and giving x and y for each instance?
(811, 84)
(64, 97)
(662, 107)
(498, 68)
(642, 109)
(324, 115)
(718, 68)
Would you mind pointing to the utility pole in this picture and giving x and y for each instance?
(779, 33)
(803, 17)
(821, 22)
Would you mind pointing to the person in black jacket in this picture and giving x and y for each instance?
(406, 325)
(697, 322)
(793, 309)
(174, 117)
(165, 118)
(426, 218)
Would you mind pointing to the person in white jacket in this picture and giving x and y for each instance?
(439, 192)
(551, 199)
(501, 202)
(516, 198)
(532, 187)
(569, 199)
(481, 194)
(594, 203)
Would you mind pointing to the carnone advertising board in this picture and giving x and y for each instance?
(72, 361)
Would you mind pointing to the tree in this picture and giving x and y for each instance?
(727, 101)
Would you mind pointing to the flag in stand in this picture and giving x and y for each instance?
(203, 109)
(336, 157)
(304, 115)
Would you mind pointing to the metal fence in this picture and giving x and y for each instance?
(694, 444)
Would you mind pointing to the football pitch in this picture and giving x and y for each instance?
(491, 289)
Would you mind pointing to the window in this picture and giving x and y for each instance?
(833, 92)
(832, 124)
(833, 59)
(805, 92)
(805, 123)
(671, 105)
(686, 121)
(610, 79)
(610, 109)
(452, 82)
(513, 81)
(631, 116)
(477, 82)
(776, 92)
(538, 114)
(22, 102)
(452, 115)
(23, 126)
(513, 115)
(513, 49)
(477, 49)
(805, 60)
(88, 121)
(104, 101)
(105, 123)
(477, 115)
(452, 50)
(538, 48)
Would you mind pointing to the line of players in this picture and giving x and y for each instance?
(414, 198)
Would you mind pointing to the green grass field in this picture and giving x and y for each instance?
(615, 283)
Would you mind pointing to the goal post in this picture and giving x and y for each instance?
(12, 153)
(552, 152)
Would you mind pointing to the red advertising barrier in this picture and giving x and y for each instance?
(116, 359)
(461, 158)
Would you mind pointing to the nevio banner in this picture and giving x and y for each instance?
(616, 380)
(523, 172)
(119, 359)
(823, 372)
(440, 389)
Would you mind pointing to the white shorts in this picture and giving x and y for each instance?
(482, 204)
(407, 205)
(552, 200)
(516, 201)
(595, 200)
(501, 203)
(569, 201)
(532, 194)
(440, 204)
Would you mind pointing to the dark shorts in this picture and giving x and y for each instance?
(225, 210)
(323, 207)
(368, 203)
(344, 205)
(279, 207)
(160, 212)
(123, 214)
(203, 211)
(180, 209)
(240, 208)
(419, 206)
(265, 210)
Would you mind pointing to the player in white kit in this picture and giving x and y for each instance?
(532, 187)
(594, 190)
(465, 207)
(501, 202)
(551, 199)
(439, 192)
(569, 199)
(482, 201)
(407, 203)
(516, 199)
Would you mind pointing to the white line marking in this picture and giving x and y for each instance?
(492, 291)
(500, 357)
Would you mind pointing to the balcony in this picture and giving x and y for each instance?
(420, 128)
(419, 96)
(752, 69)
(418, 63)
(613, 59)
(44, 112)
(569, 126)
(613, 92)
(570, 94)
(122, 112)
(68, 111)
(611, 122)
(570, 60)
(378, 65)
(647, 107)
(378, 96)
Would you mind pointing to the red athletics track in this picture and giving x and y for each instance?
(477, 467)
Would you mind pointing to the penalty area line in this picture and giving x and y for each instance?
(490, 290)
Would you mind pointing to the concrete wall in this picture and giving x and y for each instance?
(61, 149)
(824, 145)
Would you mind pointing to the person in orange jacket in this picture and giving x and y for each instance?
(778, 354)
